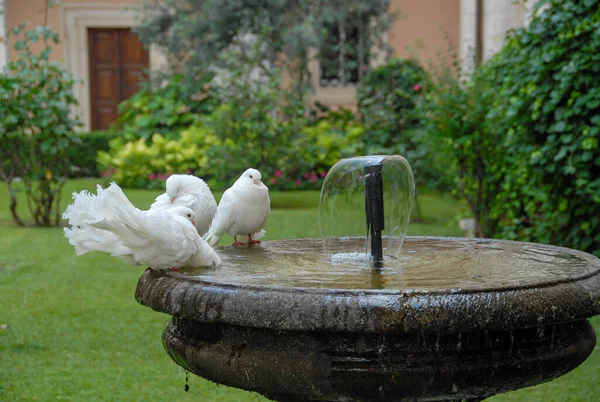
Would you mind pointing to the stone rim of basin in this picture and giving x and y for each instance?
(373, 310)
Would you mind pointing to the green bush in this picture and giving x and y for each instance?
(463, 147)
(83, 154)
(388, 99)
(548, 110)
(318, 148)
(165, 110)
(141, 165)
(202, 149)
(35, 125)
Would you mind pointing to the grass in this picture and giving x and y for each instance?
(76, 333)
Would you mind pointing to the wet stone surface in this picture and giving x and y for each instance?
(426, 264)
(454, 319)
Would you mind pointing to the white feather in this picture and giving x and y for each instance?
(192, 192)
(159, 239)
(243, 209)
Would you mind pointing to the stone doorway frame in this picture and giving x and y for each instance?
(75, 21)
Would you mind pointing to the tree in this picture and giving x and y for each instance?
(35, 126)
(194, 34)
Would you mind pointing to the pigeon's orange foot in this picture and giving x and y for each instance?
(251, 241)
(237, 243)
(173, 269)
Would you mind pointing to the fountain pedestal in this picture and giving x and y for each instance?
(293, 340)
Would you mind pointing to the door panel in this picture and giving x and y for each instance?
(118, 62)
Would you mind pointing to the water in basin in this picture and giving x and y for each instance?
(426, 264)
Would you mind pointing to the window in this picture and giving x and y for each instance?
(344, 57)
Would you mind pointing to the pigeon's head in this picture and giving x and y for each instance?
(252, 176)
(184, 212)
(180, 184)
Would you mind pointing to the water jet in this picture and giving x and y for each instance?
(350, 317)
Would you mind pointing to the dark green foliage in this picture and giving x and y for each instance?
(166, 109)
(548, 110)
(387, 99)
(196, 34)
(460, 144)
(35, 125)
(82, 155)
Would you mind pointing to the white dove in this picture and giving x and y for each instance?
(160, 239)
(192, 192)
(243, 210)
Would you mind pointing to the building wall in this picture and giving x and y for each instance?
(425, 28)
(3, 48)
(422, 30)
(32, 11)
(499, 17)
(71, 20)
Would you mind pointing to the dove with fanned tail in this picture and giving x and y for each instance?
(243, 210)
(160, 239)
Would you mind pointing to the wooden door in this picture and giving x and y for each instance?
(118, 62)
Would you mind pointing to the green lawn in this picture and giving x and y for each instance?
(76, 333)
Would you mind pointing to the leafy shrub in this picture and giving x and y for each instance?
(165, 110)
(548, 109)
(388, 99)
(220, 159)
(463, 147)
(83, 154)
(317, 149)
(35, 126)
(142, 165)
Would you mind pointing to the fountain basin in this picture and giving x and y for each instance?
(458, 318)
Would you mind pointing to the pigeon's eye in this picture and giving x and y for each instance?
(250, 176)
(189, 215)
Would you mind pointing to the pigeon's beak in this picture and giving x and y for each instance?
(172, 199)
(194, 222)
(256, 181)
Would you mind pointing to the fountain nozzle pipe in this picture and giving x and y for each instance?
(374, 209)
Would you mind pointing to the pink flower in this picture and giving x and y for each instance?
(306, 175)
(298, 182)
(188, 171)
(416, 87)
(272, 180)
(106, 173)
(151, 176)
(365, 68)
(278, 173)
(162, 176)
(323, 173)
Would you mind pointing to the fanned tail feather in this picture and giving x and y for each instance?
(90, 207)
(89, 239)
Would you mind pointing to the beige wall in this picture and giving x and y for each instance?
(424, 28)
(32, 11)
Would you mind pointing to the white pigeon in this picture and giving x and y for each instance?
(243, 210)
(159, 239)
(192, 192)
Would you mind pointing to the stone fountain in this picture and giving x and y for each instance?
(351, 318)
